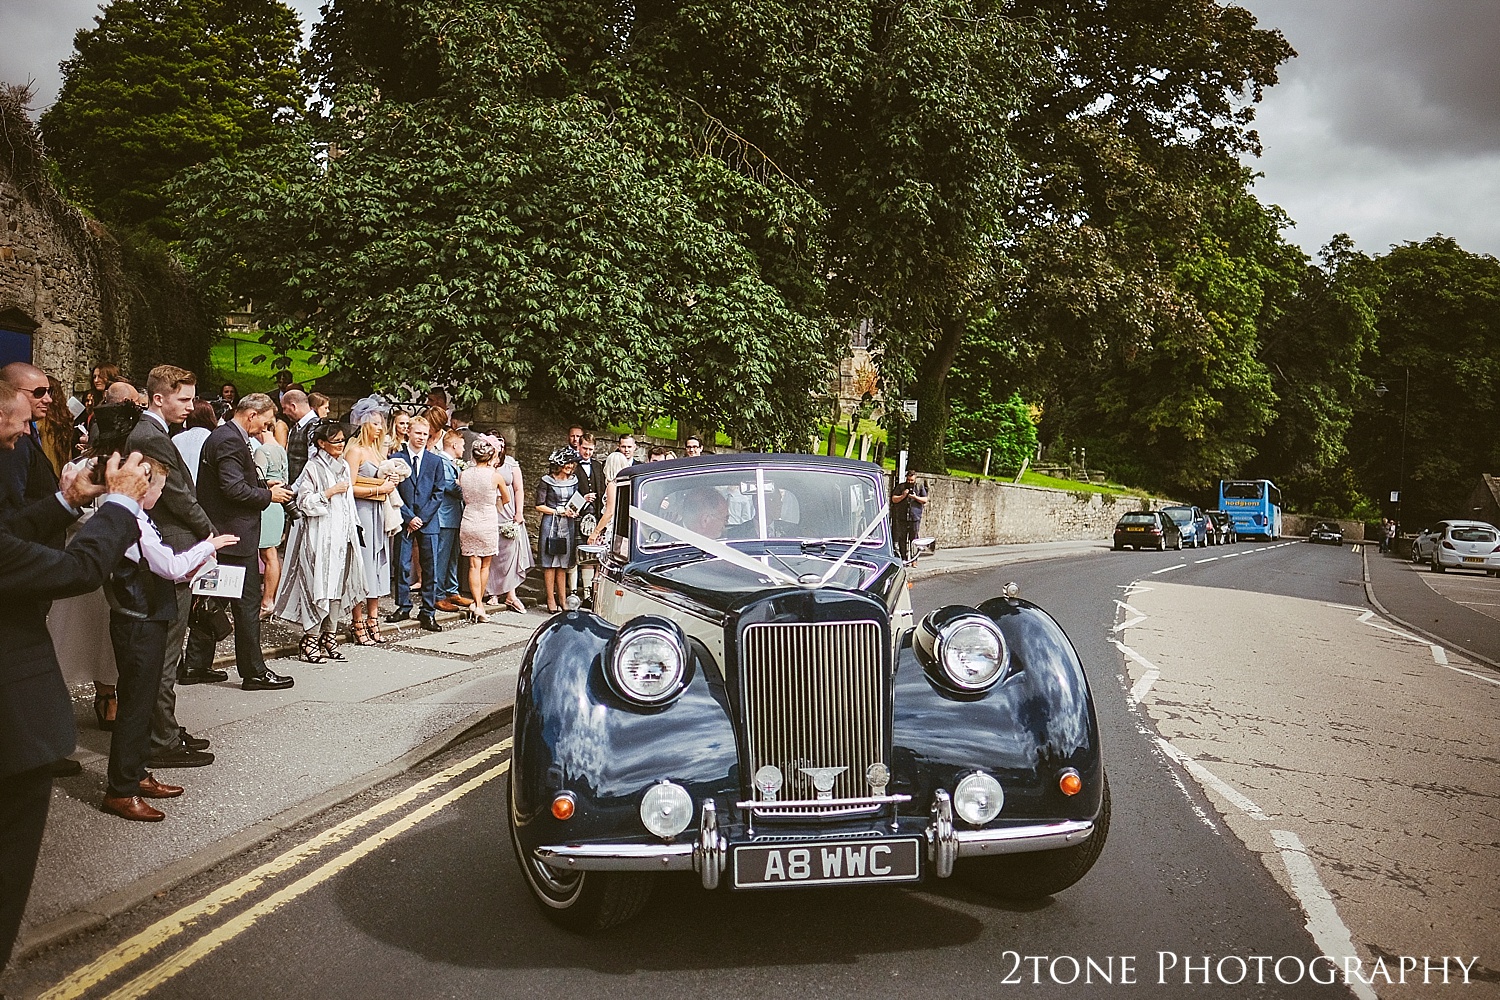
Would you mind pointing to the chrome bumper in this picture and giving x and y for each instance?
(709, 853)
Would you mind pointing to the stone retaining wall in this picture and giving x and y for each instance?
(963, 511)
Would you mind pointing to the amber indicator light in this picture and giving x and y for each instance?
(1070, 783)
(562, 806)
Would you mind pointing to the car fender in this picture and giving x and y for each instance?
(575, 733)
(1025, 730)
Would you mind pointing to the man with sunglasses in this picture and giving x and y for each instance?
(26, 474)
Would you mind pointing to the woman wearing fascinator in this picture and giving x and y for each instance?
(512, 559)
(373, 489)
(556, 540)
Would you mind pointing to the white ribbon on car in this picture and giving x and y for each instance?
(712, 546)
(879, 519)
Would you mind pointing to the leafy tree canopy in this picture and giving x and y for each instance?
(159, 85)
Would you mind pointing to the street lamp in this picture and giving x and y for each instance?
(1380, 391)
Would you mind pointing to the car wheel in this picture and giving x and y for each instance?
(1437, 567)
(584, 902)
(1038, 873)
(1179, 543)
(1117, 548)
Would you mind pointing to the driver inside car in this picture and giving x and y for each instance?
(705, 511)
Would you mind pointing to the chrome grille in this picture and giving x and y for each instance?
(813, 698)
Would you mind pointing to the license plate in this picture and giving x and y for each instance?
(1135, 529)
(1478, 559)
(826, 863)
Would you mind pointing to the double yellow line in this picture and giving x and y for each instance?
(163, 931)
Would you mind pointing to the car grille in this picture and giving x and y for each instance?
(813, 698)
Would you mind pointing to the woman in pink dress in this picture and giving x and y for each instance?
(513, 551)
(479, 531)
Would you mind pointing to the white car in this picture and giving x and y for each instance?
(1458, 545)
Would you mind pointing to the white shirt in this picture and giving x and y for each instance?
(179, 567)
(189, 445)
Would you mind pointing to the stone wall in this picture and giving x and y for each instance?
(964, 511)
(47, 289)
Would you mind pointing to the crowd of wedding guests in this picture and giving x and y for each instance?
(139, 526)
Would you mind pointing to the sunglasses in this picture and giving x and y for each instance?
(41, 392)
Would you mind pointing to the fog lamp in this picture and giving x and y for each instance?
(666, 809)
(978, 798)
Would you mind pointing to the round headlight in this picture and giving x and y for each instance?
(978, 798)
(666, 809)
(972, 653)
(648, 665)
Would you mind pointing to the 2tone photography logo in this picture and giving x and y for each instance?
(1168, 968)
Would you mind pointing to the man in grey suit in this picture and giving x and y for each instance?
(182, 522)
(36, 713)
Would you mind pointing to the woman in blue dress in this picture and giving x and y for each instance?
(555, 540)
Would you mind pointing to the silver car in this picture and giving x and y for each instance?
(1458, 545)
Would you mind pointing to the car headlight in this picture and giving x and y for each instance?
(666, 809)
(978, 798)
(972, 652)
(648, 664)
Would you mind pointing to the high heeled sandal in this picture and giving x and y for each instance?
(516, 605)
(308, 651)
(101, 711)
(362, 636)
(330, 646)
(478, 613)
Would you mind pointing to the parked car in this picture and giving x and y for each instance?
(1327, 532)
(1224, 532)
(1147, 529)
(751, 699)
(1458, 545)
(1191, 522)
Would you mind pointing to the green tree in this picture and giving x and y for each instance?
(160, 85)
(1438, 354)
(478, 209)
(1314, 352)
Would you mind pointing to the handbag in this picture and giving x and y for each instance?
(211, 615)
(555, 546)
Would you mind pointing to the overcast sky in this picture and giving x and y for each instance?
(1386, 126)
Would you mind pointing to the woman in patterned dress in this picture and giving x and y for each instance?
(555, 540)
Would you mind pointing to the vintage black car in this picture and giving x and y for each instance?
(751, 699)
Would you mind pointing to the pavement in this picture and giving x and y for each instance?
(1453, 608)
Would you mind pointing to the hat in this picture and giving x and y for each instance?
(563, 456)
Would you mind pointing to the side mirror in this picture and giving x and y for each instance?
(919, 547)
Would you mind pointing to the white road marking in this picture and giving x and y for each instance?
(1344, 607)
(1368, 618)
(1129, 623)
(1325, 925)
(1201, 561)
(1461, 670)
(1199, 811)
(1439, 656)
(1143, 685)
(1207, 777)
(1168, 569)
(1122, 604)
(1232, 555)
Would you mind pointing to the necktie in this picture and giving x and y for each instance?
(416, 464)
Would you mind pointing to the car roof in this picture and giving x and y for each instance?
(1467, 524)
(752, 459)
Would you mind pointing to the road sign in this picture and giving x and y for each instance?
(909, 407)
(1395, 496)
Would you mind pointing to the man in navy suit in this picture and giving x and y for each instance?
(421, 496)
(36, 712)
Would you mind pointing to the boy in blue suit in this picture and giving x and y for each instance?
(421, 497)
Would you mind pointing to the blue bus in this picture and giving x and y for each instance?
(1254, 505)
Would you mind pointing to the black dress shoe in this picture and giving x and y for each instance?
(192, 742)
(178, 755)
(202, 677)
(65, 768)
(399, 615)
(268, 681)
(428, 622)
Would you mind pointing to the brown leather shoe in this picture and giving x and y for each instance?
(446, 604)
(132, 807)
(153, 789)
(462, 601)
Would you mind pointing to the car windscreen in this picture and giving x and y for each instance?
(1242, 491)
(1182, 515)
(1138, 519)
(762, 503)
(1325, 526)
(1472, 534)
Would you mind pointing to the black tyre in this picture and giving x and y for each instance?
(1437, 567)
(1040, 873)
(583, 902)
(1179, 543)
(1118, 548)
